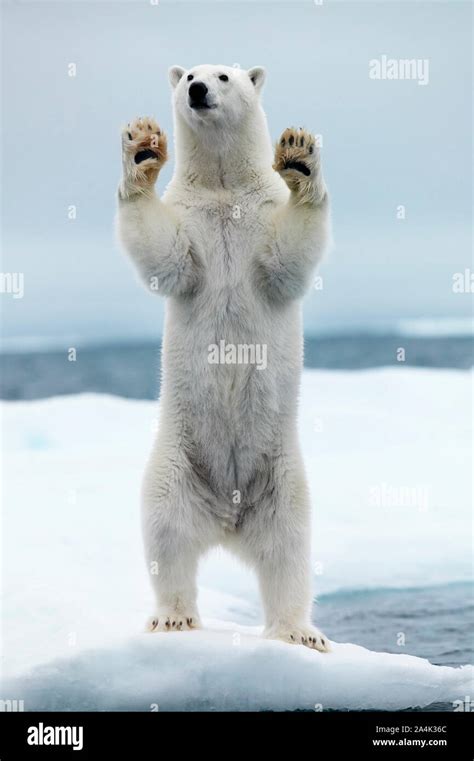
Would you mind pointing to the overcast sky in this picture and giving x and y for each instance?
(386, 143)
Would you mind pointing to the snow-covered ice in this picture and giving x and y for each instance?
(229, 667)
(388, 456)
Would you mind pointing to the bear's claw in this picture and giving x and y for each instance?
(172, 621)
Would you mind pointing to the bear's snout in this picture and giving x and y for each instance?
(197, 95)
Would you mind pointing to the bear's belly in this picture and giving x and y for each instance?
(234, 376)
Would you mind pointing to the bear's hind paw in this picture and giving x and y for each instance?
(172, 621)
(306, 635)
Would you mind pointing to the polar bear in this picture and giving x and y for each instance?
(232, 244)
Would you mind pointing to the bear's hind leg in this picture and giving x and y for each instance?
(275, 539)
(173, 569)
(177, 529)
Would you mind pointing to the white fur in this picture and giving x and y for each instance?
(233, 250)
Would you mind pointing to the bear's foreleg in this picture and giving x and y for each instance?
(300, 230)
(148, 229)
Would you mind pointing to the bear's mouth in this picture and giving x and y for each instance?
(299, 166)
(198, 105)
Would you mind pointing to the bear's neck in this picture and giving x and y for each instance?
(218, 159)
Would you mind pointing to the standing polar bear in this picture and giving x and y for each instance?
(232, 245)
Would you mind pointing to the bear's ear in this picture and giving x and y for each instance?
(175, 74)
(257, 76)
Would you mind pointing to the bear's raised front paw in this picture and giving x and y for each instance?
(170, 620)
(304, 634)
(297, 160)
(144, 151)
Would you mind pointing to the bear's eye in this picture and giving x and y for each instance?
(190, 76)
(224, 78)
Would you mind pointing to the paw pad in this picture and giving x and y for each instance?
(295, 153)
(144, 146)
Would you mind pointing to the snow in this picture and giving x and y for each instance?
(388, 458)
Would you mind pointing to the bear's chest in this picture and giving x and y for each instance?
(226, 232)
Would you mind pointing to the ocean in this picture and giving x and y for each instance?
(133, 371)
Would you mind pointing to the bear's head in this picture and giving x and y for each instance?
(217, 97)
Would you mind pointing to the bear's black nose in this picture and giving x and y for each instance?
(197, 94)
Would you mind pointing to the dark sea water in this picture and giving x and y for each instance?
(134, 370)
(438, 622)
